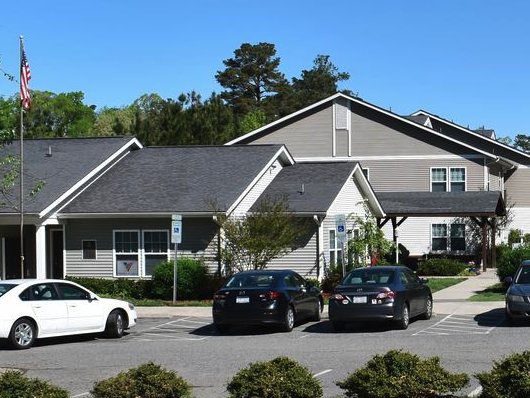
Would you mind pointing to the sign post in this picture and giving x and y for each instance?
(340, 227)
(176, 238)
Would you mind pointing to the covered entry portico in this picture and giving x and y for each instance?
(482, 207)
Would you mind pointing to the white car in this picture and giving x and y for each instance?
(38, 308)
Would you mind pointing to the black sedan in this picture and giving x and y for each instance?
(380, 293)
(279, 297)
(518, 294)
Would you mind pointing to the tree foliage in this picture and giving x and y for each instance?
(522, 142)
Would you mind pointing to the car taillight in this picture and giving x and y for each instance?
(386, 295)
(218, 296)
(271, 295)
(337, 296)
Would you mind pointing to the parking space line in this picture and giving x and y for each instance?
(461, 324)
(322, 373)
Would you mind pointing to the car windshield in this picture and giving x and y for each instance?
(251, 280)
(523, 277)
(372, 276)
(5, 287)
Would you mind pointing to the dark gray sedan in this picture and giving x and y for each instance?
(392, 293)
(518, 294)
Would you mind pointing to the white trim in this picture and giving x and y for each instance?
(337, 249)
(368, 105)
(89, 176)
(65, 216)
(40, 251)
(489, 140)
(367, 191)
(465, 176)
(281, 151)
(391, 157)
(334, 131)
(168, 251)
(367, 172)
(3, 258)
(95, 249)
(448, 177)
(349, 129)
(486, 176)
(114, 253)
(448, 237)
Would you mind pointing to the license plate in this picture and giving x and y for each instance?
(242, 300)
(359, 299)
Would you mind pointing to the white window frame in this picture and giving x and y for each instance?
(367, 175)
(114, 253)
(144, 253)
(337, 250)
(448, 177)
(447, 237)
(83, 250)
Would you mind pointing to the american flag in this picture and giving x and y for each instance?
(25, 77)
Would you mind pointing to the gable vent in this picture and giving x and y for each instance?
(341, 116)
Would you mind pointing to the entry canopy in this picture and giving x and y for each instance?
(442, 204)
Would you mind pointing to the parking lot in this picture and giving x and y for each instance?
(191, 346)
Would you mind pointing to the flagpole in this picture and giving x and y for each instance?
(21, 171)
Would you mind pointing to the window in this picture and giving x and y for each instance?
(366, 173)
(448, 237)
(439, 179)
(156, 249)
(126, 249)
(69, 292)
(89, 249)
(441, 183)
(458, 179)
(335, 251)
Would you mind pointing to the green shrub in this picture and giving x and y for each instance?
(313, 282)
(441, 267)
(514, 236)
(146, 381)
(509, 260)
(13, 384)
(508, 378)
(279, 378)
(399, 374)
(192, 280)
(332, 277)
(120, 287)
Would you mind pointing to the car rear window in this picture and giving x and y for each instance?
(377, 276)
(5, 287)
(254, 280)
(524, 276)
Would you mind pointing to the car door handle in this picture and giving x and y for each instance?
(72, 305)
(36, 306)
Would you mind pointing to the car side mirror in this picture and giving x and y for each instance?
(424, 281)
(91, 297)
(508, 280)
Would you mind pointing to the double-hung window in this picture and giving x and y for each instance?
(156, 249)
(458, 237)
(438, 179)
(448, 237)
(439, 237)
(444, 179)
(126, 252)
(335, 251)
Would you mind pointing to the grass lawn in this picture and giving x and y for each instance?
(441, 283)
(492, 293)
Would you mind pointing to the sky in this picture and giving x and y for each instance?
(464, 60)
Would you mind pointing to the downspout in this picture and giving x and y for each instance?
(318, 222)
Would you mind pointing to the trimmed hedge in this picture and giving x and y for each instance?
(192, 280)
(119, 287)
(13, 384)
(441, 267)
(279, 378)
(508, 378)
(400, 374)
(509, 259)
(146, 381)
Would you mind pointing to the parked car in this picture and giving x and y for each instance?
(279, 297)
(38, 308)
(391, 293)
(518, 293)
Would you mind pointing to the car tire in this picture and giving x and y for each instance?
(338, 326)
(317, 314)
(115, 325)
(428, 313)
(222, 328)
(288, 322)
(403, 323)
(23, 334)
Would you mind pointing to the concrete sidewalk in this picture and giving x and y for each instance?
(447, 301)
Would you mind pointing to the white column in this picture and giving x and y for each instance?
(40, 251)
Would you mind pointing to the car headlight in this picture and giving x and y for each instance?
(513, 297)
(131, 306)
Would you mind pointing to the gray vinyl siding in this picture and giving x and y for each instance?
(374, 133)
(342, 142)
(199, 240)
(518, 188)
(305, 137)
(495, 178)
(404, 175)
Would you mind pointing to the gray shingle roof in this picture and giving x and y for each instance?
(70, 161)
(453, 204)
(175, 179)
(322, 183)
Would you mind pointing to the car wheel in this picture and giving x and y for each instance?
(316, 315)
(115, 324)
(338, 326)
(288, 323)
(428, 313)
(403, 323)
(23, 334)
(222, 328)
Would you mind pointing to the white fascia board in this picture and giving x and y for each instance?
(282, 153)
(272, 124)
(368, 192)
(90, 175)
(403, 157)
(490, 140)
(134, 215)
